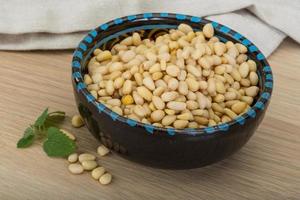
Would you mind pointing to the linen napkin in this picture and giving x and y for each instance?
(55, 24)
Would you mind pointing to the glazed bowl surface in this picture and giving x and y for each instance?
(160, 147)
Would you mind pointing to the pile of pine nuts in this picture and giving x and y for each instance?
(85, 161)
(183, 79)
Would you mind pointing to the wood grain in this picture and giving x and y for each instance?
(268, 167)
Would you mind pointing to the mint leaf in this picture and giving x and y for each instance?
(39, 123)
(55, 118)
(27, 138)
(58, 144)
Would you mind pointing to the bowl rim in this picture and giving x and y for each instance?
(266, 78)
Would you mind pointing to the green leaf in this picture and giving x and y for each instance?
(27, 138)
(55, 118)
(58, 144)
(41, 119)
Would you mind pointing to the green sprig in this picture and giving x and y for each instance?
(56, 143)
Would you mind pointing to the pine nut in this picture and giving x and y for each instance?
(169, 96)
(136, 39)
(208, 30)
(252, 91)
(248, 100)
(244, 69)
(148, 82)
(105, 179)
(238, 107)
(157, 115)
(168, 120)
(77, 121)
(185, 28)
(219, 48)
(180, 124)
(104, 55)
(72, 158)
(75, 168)
(174, 105)
(158, 102)
(201, 120)
(102, 150)
(97, 172)
(68, 134)
(86, 156)
(172, 70)
(139, 110)
(145, 93)
(230, 113)
(193, 85)
(109, 87)
(181, 79)
(253, 78)
(185, 116)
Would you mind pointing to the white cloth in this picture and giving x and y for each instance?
(56, 24)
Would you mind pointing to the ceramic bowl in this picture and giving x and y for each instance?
(160, 147)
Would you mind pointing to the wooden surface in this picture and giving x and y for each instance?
(268, 167)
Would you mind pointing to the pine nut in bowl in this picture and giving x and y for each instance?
(170, 90)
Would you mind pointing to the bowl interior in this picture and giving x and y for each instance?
(152, 25)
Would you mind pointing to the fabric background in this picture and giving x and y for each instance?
(56, 24)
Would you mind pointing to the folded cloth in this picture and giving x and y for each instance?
(43, 24)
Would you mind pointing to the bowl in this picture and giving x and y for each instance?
(160, 147)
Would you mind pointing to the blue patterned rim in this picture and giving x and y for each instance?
(79, 61)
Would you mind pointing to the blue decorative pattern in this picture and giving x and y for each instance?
(240, 120)
(164, 14)
(269, 84)
(114, 116)
(118, 21)
(237, 36)
(149, 128)
(171, 131)
(251, 112)
(195, 19)
(180, 17)
(246, 42)
(269, 77)
(90, 98)
(253, 48)
(214, 24)
(265, 95)
(260, 56)
(223, 127)
(94, 33)
(147, 15)
(100, 107)
(76, 75)
(131, 17)
(76, 64)
(260, 105)
(209, 129)
(88, 39)
(78, 54)
(80, 86)
(131, 122)
(82, 49)
(267, 69)
(104, 27)
(82, 46)
(224, 29)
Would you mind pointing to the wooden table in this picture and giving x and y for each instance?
(268, 167)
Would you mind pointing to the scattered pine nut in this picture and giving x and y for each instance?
(102, 150)
(77, 121)
(105, 179)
